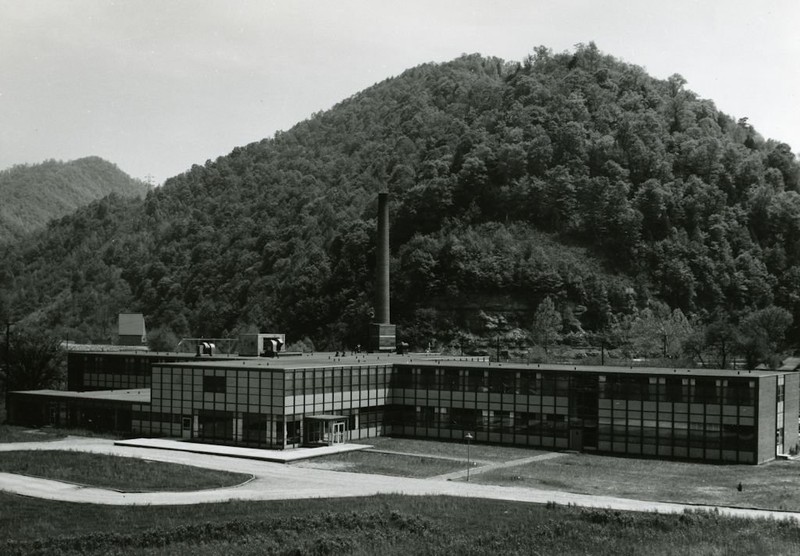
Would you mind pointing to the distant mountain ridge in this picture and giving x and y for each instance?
(34, 194)
(571, 176)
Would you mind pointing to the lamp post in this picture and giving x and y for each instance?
(468, 437)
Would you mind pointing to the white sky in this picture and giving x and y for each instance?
(158, 85)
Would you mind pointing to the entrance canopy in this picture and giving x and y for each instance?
(326, 417)
(325, 429)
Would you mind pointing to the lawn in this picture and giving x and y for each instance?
(430, 457)
(386, 525)
(119, 473)
(456, 450)
(385, 464)
(773, 485)
(14, 433)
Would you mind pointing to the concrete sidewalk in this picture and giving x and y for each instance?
(455, 475)
(426, 456)
(275, 456)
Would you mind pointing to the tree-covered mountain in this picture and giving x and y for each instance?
(35, 194)
(569, 177)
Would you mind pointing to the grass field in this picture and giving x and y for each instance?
(406, 457)
(773, 485)
(384, 525)
(123, 474)
(457, 450)
(13, 433)
(385, 464)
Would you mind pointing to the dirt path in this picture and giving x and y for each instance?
(275, 481)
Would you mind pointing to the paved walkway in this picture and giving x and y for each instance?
(275, 481)
(426, 456)
(463, 473)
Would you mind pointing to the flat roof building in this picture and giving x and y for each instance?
(695, 414)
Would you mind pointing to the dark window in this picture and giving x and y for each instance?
(562, 386)
(676, 390)
(214, 384)
(402, 378)
(704, 390)
(531, 383)
(450, 381)
(548, 386)
(739, 392)
(476, 381)
(427, 378)
(502, 382)
(425, 416)
(462, 419)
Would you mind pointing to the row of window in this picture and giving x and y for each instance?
(109, 364)
(499, 381)
(318, 381)
(678, 389)
(256, 429)
(739, 391)
(524, 423)
(105, 381)
(694, 435)
(300, 382)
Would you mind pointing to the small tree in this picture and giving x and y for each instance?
(31, 361)
(761, 335)
(546, 328)
(657, 331)
(720, 339)
(162, 339)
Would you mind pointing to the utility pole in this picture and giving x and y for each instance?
(468, 437)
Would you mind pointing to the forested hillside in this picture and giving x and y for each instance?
(34, 194)
(570, 193)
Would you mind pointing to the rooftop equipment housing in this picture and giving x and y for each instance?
(263, 345)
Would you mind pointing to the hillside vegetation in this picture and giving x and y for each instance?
(570, 184)
(35, 194)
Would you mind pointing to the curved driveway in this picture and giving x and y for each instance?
(276, 481)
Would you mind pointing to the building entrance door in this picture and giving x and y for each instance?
(338, 433)
(186, 427)
(576, 439)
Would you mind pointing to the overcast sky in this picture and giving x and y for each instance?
(158, 85)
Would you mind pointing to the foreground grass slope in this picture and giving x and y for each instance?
(378, 525)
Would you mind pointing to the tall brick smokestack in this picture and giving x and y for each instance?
(382, 262)
(382, 334)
